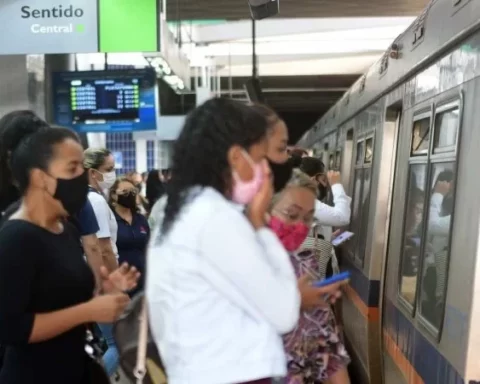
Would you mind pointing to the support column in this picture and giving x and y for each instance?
(18, 88)
(141, 155)
(164, 154)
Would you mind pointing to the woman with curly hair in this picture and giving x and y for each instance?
(220, 286)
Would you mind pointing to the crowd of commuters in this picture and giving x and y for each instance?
(229, 278)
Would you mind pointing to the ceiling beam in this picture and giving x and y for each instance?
(238, 30)
(325, 81)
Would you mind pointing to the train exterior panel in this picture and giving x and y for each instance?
(406, 139)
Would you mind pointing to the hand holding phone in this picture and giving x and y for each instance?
(333, 279)
(314, 296)
(341, 238)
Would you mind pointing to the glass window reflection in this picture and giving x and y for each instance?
(362, 235)
(368, 150)
(420, 136)
(446, 126)
(356, 211)
(412, 238)
(437, 246)
(360, 153)
(338, 160)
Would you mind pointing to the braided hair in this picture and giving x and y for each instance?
(200, 154)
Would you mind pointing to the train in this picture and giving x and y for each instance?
(406, 139)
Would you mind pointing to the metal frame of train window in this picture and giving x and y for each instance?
(430, 159)
(415, 158)
(361, 164)
(436, 158)
(331, 160)
(458, 5)
(338, 159)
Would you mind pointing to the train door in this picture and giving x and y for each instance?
(392, 124)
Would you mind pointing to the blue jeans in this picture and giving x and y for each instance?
(111, 358)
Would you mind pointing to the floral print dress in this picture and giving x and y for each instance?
(314, 349)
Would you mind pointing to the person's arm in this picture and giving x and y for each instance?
(102, 213)
(88, 226)
(256, 263)
(17, 274)
(93, 253)
(339, 214)
(109, 257)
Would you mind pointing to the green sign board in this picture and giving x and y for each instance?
(128, 25)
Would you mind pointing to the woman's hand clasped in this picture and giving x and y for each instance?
(106, 308)
(122, 280)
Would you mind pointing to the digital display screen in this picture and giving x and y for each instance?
(106, 101)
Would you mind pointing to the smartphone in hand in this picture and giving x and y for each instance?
(332, 280)
(340, 239)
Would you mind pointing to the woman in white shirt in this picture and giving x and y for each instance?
(328, 216)
(220, 286)
(100, 165)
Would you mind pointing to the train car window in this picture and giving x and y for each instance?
(437, 242)
(413, 230)
(356, 210)
(420, 137)
(338, 160)
(364, 209)
(360, 153)
(446, 130)
(368, 150)
(331, 162)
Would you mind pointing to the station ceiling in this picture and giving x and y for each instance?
(323, 76)
(238, 9)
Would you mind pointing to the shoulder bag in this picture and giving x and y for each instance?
(139, 356)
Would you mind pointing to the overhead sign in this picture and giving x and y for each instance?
(78, 26)
(45, 26)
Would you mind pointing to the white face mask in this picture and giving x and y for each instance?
(108, 180)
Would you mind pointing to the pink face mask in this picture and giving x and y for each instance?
(244, 191)
(291, 236)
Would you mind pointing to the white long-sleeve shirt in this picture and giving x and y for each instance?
(220, 296)
(438, 225)
(336, 216)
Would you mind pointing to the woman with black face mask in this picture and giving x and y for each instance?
(14, 128)
(46, 288)
(277, 155)
(133, 230)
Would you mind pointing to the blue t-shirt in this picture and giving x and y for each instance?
(132, 240)
(87, 221)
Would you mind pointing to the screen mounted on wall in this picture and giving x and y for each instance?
(106, 101)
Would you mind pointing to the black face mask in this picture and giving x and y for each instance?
(72, 193)
(128, 201)
(281, 174)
